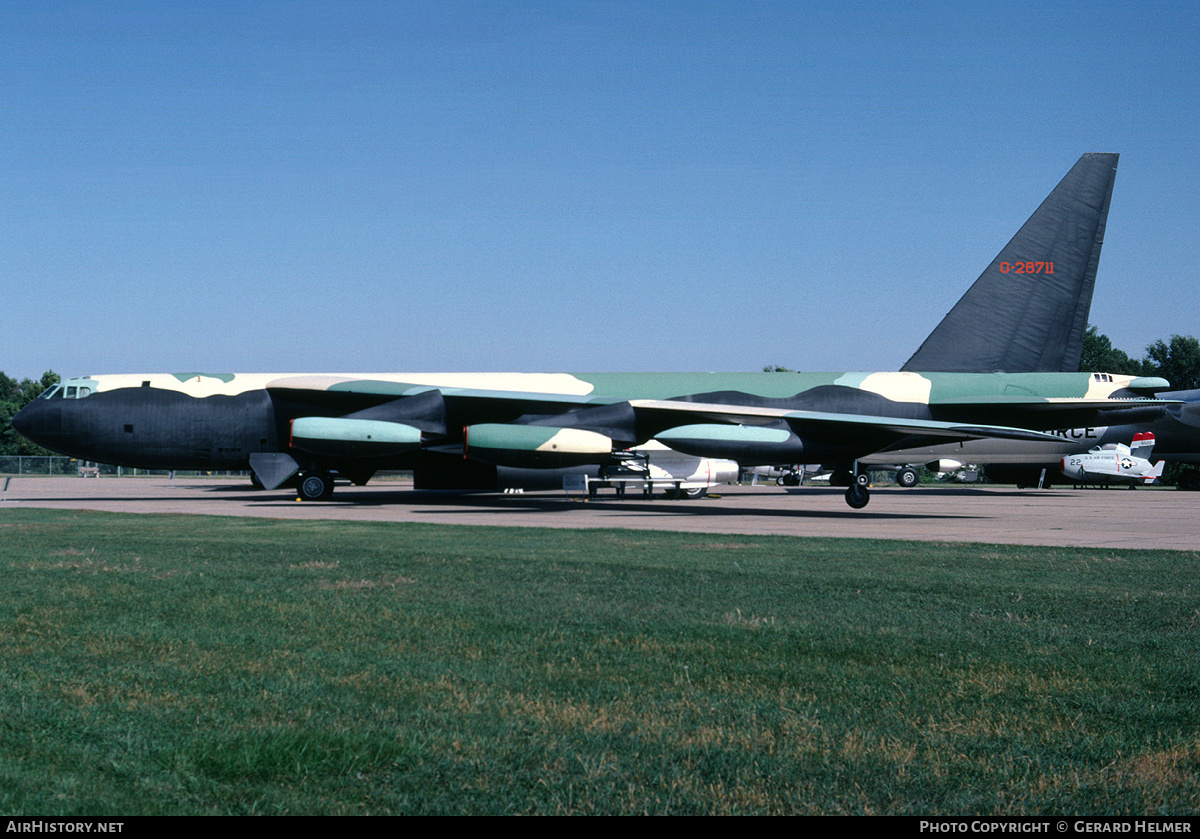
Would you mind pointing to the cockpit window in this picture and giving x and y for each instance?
(60, 391)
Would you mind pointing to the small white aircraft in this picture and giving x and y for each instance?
(1115, 463)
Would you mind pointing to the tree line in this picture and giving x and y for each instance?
(1177, 360)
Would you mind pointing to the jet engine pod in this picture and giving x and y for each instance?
(341, 437)
(749, 445)
(534, 446)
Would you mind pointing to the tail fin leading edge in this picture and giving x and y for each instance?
(1028, 311)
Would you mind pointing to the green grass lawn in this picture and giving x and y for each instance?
(186, 665)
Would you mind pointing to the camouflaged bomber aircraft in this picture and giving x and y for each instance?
(453, 430)
(463, 430)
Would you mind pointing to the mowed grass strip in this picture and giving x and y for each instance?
(189, 665)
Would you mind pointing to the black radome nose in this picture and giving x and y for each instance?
(23, 421)
(41, 422)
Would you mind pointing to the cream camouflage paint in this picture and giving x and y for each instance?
(899, 387)
(930, 388)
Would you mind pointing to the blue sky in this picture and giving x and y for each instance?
(590, 186)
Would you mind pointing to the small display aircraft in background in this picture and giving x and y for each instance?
(1115, 463)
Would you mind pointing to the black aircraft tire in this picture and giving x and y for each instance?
(907, 477)
(315, 486)
(857, 496)
(1190, 480)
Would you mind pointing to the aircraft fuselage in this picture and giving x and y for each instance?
(196, 421)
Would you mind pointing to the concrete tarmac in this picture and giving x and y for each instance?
(1109, 518)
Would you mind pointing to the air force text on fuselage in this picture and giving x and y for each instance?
(1082, 434)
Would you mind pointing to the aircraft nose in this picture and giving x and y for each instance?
(40, 422)
(22, 422)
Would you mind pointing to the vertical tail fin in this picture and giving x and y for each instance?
(1028, 311)
(1142, 445)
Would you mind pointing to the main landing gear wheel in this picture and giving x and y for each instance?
(687, 492)
(316, 486)
(857, 496)
(907, 477)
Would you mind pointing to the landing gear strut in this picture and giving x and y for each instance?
(858, 495)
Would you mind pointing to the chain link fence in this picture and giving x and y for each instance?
(59, 466)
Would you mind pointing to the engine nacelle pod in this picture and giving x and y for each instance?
(341, 437)
(534, 446)
(750, 445)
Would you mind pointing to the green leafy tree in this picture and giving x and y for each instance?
(1100, 356)
(1177, 361)
(15, 395)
